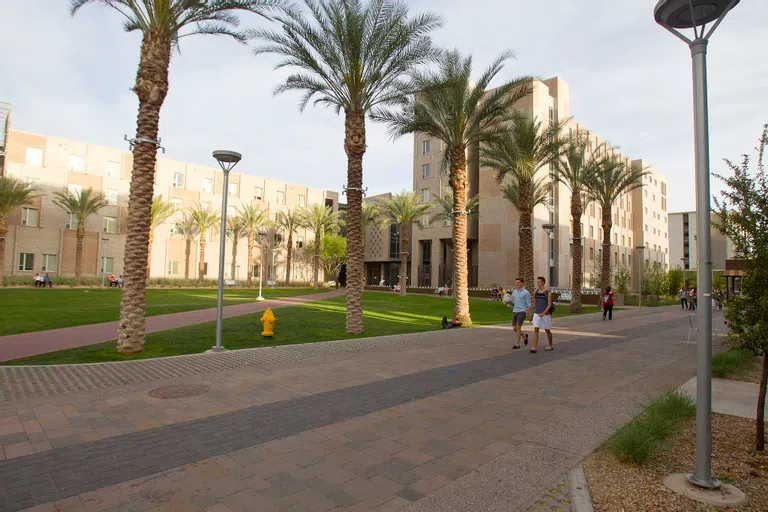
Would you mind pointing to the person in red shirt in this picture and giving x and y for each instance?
(607, 302)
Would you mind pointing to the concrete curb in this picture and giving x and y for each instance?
(577, 483)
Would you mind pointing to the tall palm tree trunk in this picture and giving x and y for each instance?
(149, 252)
(525, 252)
(79, 253)
(234, 258)
(316, 261)
(288, 255)
(3, 233)
(151, 88)
(403, 259)
(201, 262)
(187, 254)
(605, 276)
(458, 180)
(578, 254)
(250, 258)
(354, 146)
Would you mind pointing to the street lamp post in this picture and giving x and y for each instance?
(640, 265)
(227, 160)
(696, 14)
(683, 260)
(262, 234)
(550, 228)
(104, 241)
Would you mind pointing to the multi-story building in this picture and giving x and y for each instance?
(639, 217)
(683, 242)
(41, 235)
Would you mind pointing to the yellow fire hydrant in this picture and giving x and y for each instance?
(268, 320)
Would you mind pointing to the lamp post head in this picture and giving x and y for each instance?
(262, 233)
(690, 13)
(227, 159)
(640, 247)
(549, 228)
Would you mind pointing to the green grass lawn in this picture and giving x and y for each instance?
(29, 310)
(318, 321)
(652, 301)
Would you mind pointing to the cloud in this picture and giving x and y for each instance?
(629, 80)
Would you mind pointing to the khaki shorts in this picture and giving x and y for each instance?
(519, 318)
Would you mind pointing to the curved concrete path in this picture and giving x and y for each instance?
(29, 344)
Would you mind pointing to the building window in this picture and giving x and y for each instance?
(178, 180)
(49, 263)
(425, 147)
(205, 268)
(299, 242)
(600, 233)
(302, 200)
(394, 241)
(591, 231)
(280, 197)
(425, 195)
(28, 217)
(616, 238)
(646, 193)
(259, 193)
(234, 189)
(426, 172)
(278, 240)
(175, 231)
(208, 185)
(26, 261)
(623, 240)
(231, 212)
(173, 268)
(75, 190)
(34, 156)
(551, 116)
(591, 253)
(76, 163)
(71, 222)
(107, 265)
(177, 204)
(646, 227)
(630, 242)
(206, 205)
(112, 169)
(111, 196)
(110, 225)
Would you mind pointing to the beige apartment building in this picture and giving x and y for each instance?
(640, 218)
(41, 236)
(683, 242)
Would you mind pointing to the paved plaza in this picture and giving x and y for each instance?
(440, 421)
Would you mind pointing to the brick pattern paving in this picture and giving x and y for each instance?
(556, 499)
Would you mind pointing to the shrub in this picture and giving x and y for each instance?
(727, 363)
(635, 442)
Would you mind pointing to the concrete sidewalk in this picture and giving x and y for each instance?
(731, 397)
(29, 344)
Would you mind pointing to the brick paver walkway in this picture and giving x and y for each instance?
(439, 421)
(29, 344)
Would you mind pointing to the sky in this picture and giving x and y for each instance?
(629, 79)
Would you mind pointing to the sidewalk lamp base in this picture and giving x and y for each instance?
(711, 484)
(214, 350)
(724, 495)
(260, 298)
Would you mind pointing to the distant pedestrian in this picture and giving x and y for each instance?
(38, 281)
(693, 299)
(608, 304)
(47, 280)
(683, 299)
(542, 314)
(520, 302)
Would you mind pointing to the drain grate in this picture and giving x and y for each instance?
(179, 391)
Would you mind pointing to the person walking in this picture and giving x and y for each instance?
(520, 301)
(692, 299)
(683, 299)
(608, 304)
(542, 314)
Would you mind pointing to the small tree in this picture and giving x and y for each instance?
(320, 220)
(674, 281)
(623, 277)
(333, 253)
(743, 212)
(80, 207)
(205, 219)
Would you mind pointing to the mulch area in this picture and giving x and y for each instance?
(750, 372)
(617, 487)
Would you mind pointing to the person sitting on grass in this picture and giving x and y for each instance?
(445, 324)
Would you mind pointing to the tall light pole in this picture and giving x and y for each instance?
(696, 14)
(104, 241)
(262, 234)
(683, 260)
(550, 228)
(227, 160)
(640, 266)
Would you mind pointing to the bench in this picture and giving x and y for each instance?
(230, 282)
(271, 284)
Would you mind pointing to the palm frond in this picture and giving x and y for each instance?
(13, 194)
(404, 209)
(319, 218)
(161, 211)
(81, 205)
(205, 218)
(443, 206)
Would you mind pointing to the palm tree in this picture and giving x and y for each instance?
(352, 55)
(13, 194)
(517, 157)
(444, 206)
(205, 219)
(187, 228)
(462, 114)
(161, 211)
(288, 222)
(320, 219)
(162, 24)
(576, 168)
(253, 220)
(235, 231)
(613, 179)
(80, 206)
(404, 209)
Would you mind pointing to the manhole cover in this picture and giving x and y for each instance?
(178, 391)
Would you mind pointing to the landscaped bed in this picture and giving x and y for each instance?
(384, 314)
(616, 486)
